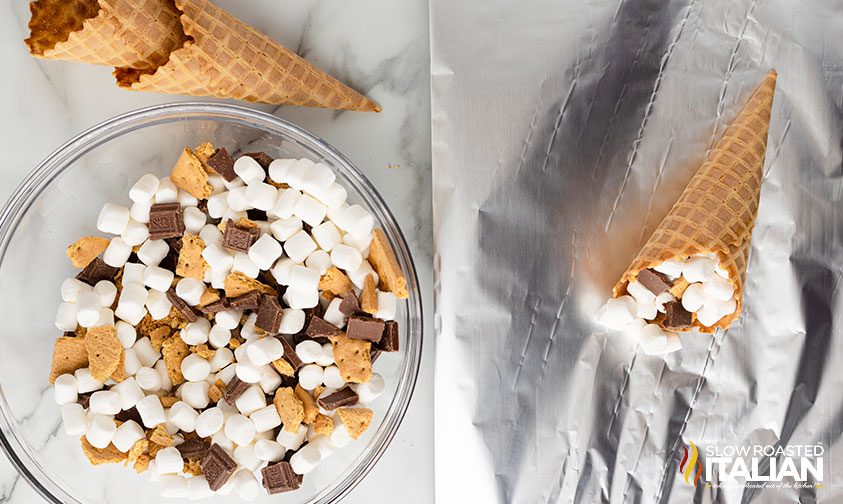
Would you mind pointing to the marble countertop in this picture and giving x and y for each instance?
(380, 47)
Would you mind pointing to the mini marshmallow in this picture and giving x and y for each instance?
(73, 419)
(361, 244)
(88, 309)
(132, 362)
(129, 391)
(713, 310)
(140, 211)
(299, 246)
(335, 214)
(106, 318)
(194, 219)
(198, 488)
(326, 358)
(326, 235)
(653, 339)
(135, 233)
(672, 268)
(186, 199)
(158, 278)
(261, 195)
(265, 350)
(148, 379)
(127, 434)
(317, 179)
(158, 304)
(126, 333)
(297, 173)
(100, 431)
(183, 416)
(718, 288)
(247, 331)
(281, 270)
(309, 210)
(239, 429)
(268, 450)
(173, 486)
(196, 333)
(105, 402)
(113, 219)
(292, 440)
(64, 389)
(222, 358)
(292, 321)
(131, 305)
(279, 168)
(85, 382)
(146, 354)
(646, 309)
(218, 205)
(661, 299)
(305, 460)
(357, 221)
(332, 378)
(229, 319)
(107, 291)
(245, 457)
(283, 229)
(265, 251)
(152, 252)
(168, 461)
(249, 170)
(302, 299)
(324, 445)
(219, 336)
(217, 258)
(209, 422)
(217, 183)
(319, 260)
(248, 372)
(370, 390)
(310, 376)
(265, 418)
(195, 394)
(698, 269)
(144, 189)
(308, 351)
(244, 264)
(387, 306)
(237, 201)
(211, 234)
(641, 294)
(71, 288)
(66, 319)
(333, 197)
(358, 277)
(340, 436)
(235, 215)
(251, 400)
(195, 368)
(693, 297)
(346, 258)
(333, 315)
(167, 191)
(617, 313)
(270, 380)
(285, 203)
(303, 278)
(152, 470)
(191, 290)
(245, 484)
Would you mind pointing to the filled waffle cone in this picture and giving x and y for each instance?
(716, 212)
(227, 58)
(122, 33)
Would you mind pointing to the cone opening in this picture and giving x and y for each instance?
(53, 21)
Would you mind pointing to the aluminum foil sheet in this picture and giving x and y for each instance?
(563, 131)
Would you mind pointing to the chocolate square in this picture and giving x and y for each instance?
(290, 354)
(194, 448)
(222, 163)
(234, 389)
(262, 158)
(165, 221)
(364, 328)
(129, 414)
(389, 341)
(217, 467)
(97, 270)
(676, 316)
(250, 301)
(185, 309)
(349, 304)
(343, 397)
(279, 477)
(239, 239)
(269, 314)
(320, 328)
(216, 306)
(654, 281)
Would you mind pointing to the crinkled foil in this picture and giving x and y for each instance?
(563, 131)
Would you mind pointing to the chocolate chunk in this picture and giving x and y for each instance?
(180, 305)
(222, 163)
(234, 389)
(389, 341)
(349, 304)
(290, 354)
(194, 448)
(216, 306)
(253, 214)
(364, 328)
(340, 398)
(165, 221)
(676, 316)
(171, 260)
(250, 301)
(239, 239)
(97, 270)
(262, 158)
(85, 399)
(279, 477)
(654, 281)
(129, 414)
(217, 467)
(269, 314)
(319, 328)
(175, 243)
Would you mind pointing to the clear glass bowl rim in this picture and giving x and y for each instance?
(62, 158)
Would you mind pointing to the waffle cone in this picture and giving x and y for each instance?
(227, 58)
(122, 33)
(716, 212)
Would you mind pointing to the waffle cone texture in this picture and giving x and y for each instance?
(189, 47)
(716, 212)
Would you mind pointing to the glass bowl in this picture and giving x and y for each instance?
(59, 202)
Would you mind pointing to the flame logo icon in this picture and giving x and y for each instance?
(691, 461)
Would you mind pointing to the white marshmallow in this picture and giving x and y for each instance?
(672, 268)
(265, 350)
(106, 318)
(698, 269)
(71, 288)
(278, 169)
(131, 305)
(183, 416)
(244, 264)
(117, 252)
(127, 435)
(333, 197)
(309, 210)
(617, 313)
(281, 270)
(305, 460)
(126, 333)
(66, 317)
(308, 351)
(653, 339)
(158, 304)
(209, 422)
(168, 461)
(265, 251)
(249, 170)
(64, 389)
(265, 418)
(148, 379)
(326, 358)
(333, 315)
(100, 431)
(147, 355)
(251, 400)
(113, 219)
(210, 234)
(245, 457)
(332, 378)
(222, 357)
(132, 362)
(261, 195)
(85, 382)
(105, 402)
(283, 229)
(190, 290)
(240, 429)
(140, 211)
(247, 371)
(285, 203)
(152, 470)
(219, 336)
(195, 394)
(310, 376)
(194, 219)
(346, 258)
(217, 257)
(144, 189)
(340, 436)
(303, 278)
(195, 368)
(167, 191)
(247, 331)
(646, 310)
(292, 440)
(319, 178)
(387, 306)
(370, 390)
(152, 252)
(326, 235)
(357, 221)
(269, 450)
(228, 319)
(319, 260)
(324, 445)
(297, 173)
(270, 380)
(107, 291)
(73, 419)
(88, 309)
(135, 233)
(158, 278)
(129, 392)
(237, 201)
(358, 277)
(299, 246)
(245, 484)
(302, 299)
(292, 321)
(173, 486)
(718, 288)
(335, 214)
(661, 299)
(641, 294)
(693, 297)
(186, 199)
(218, 205)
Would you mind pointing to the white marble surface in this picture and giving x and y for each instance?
(379, 47)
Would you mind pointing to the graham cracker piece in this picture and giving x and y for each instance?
(86, 249)
(189, 174)
(216, 390)
(158, 335)
(242, 222)
(160, 436)
(384, 263)
(119, 374)
(96, 456)
(334, 283)
(154, 448)
(237, 284)
(369, 296)
(174, 350)
(191, 263)
(69, 354)
(169, 401)
(353, 357)
(234, 343)
(679, 286)
(203, 351)
(356, 420)
(135, 452)
(323, 425)
(173, 320)
(210, 295)
(283, 367)
(104, 352)
(193, 467)
(203, 152)
(289, 408)
(311, 409)
(142, 464)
